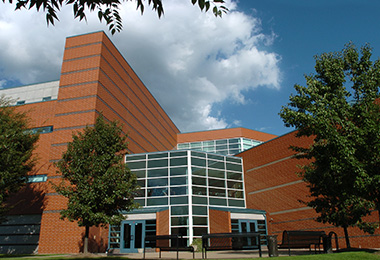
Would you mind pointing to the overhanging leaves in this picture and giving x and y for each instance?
(107, 10)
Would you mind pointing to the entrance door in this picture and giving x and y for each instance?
(246, 225)
(132, 235)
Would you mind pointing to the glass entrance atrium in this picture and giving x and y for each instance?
(188, 183)
(230, 146)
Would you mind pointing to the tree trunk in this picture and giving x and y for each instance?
(347, 237)
(85, 243)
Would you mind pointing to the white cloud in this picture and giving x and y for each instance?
(189, 60)
(2, 83)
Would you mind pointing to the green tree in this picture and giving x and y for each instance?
(339, 109)
(108, 10)
(17, 144)
(96, 181)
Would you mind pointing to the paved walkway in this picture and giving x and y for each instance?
(212, 254)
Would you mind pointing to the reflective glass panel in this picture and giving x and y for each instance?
(136, 165)
(198, 162)
(199, 210)
(216, 173)
(183, 146)
(234, 151)
(216, 164)
(135, 157)
(177, 154)
(217, 192)
(178, 171)
(217, 183)
(219, 202)
(199, 181)
(234, 175)
(180, 210)
(208, 143)
(179, 200)
(203, 155)
(178, 161)
(140, 193)
(141, 183)
(199, 190)
(157, 201)
(221, 142)
(158, 172)
(234, 140)
(246, 146)
(157, 155)
(234, 167)
(234, 146)
(157, 192)
(216, 157)
(180, 231)
(182, 190)
(178, 181)
(235, 185)
(196, 145)
(233, 159)
(141, 202)
(158, 163)
(199, 200)
(235, 194)
(200, 221)
(157, 182)
(198, 171)
(236, 203)
(199, 231)
(180, 221)
(139, 173)
(222, 147)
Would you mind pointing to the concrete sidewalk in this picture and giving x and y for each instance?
(213, 254)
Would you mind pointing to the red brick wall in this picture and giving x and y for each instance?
(220, 221)
(223, 134)
(271, 184)
(95, 78)
(162, 222)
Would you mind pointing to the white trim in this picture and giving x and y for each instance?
(247, 216)
(190, 199)
(140, 216)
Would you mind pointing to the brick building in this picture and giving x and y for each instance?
(192, 183)
(271, 183)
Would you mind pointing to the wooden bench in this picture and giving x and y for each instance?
(302, 239)
(169, 243)
(230, 241)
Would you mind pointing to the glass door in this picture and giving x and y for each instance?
(246, 225)
(132, 235)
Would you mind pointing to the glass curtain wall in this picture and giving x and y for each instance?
(225, 146)
(188, 182)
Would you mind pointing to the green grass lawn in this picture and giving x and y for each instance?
(336, 256)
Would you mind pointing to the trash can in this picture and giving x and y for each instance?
(327, 245)
(272, 246)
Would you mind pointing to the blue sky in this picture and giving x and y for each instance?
(303, 29)
(206, 72)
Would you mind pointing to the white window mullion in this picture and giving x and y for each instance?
(190, 192)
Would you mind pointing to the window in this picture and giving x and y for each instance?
(42, 130)
(46, 99)
(37, 178)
